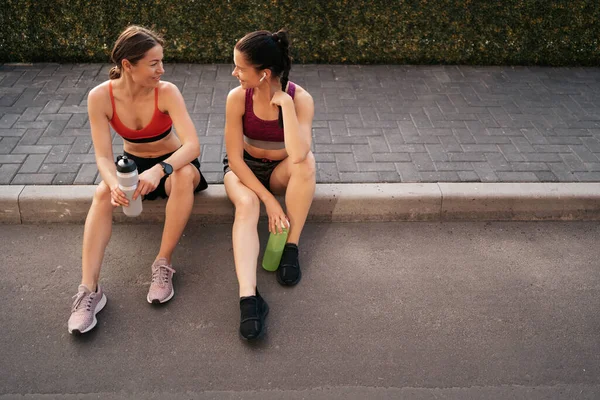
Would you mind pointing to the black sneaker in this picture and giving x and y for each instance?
(288, 273)
(254, 310)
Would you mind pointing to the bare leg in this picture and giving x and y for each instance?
(180, 188)
(96, 235)
(298, 182)
(246, 245)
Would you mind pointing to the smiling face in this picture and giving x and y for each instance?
(245, 72)
(148, 70)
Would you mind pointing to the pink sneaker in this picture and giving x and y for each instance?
(161, 287)
(85, 307)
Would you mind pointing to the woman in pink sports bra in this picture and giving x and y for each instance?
(268, 133)
(142, 109)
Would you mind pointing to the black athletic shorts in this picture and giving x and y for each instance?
(144, 164)
(261, 167)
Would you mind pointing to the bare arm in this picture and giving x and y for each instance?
(234, 144)
(101, 137)
(297, 124)
(175, 106)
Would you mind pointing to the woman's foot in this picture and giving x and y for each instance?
(84, 309)
(253, 310)
(161, 288)
(288, 273)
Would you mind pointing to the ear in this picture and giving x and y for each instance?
(126, 65)
(266, 73)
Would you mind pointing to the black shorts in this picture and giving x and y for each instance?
(144, 164)
(261, 167)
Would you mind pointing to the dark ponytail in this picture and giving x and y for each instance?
(281, 38)
(266, 50)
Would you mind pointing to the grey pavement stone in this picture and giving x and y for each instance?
(422, 162)
(453, 166)
(80, 158)
(51, 140)
(359, 177)
(33, 179)
(30, 114)
(57, 154)
(574, 163)
(529, 166)
(546, 176)
(588, 176)
(468, 176)
(32, 163)
(31, 137)
(8, 120)
(86, 175)
(26, 149)
(345, 162)
(7, 172)
(52, 107)
(517, 176)
(12, 158)
(485, 172)
(468, 157)
(8, 132)
(59, 168)
(327, 172)
(375, 166)
(408, 172)
(391, 157)
(64, 179)
(440, 176)
(437, 152)
(389, 176)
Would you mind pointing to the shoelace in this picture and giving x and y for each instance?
(160, 274)
(79, 303)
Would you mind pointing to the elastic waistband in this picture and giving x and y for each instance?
(154, 159)
(247, 156)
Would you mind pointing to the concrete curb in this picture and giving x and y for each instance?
(337, 203)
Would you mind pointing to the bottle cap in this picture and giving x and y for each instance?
(125, 165)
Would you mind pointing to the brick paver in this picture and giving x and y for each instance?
(372, 123)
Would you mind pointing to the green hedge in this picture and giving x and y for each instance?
(543, 32)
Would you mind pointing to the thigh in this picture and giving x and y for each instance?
(280, 177)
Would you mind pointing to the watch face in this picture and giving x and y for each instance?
(167, 168)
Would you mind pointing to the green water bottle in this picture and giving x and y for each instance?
(274, 250)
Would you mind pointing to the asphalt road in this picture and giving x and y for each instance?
(384, 310)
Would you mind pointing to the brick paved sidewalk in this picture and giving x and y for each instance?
(372, 123)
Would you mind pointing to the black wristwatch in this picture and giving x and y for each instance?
(167, 168)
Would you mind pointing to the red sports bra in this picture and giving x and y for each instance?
(158, 128)
(259, 129)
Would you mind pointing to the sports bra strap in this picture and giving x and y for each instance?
(112, 98)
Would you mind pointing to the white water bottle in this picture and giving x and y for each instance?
(127, 175)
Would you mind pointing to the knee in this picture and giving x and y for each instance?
(184, 176)
(247, 206)
(307, 168)
(102, 194)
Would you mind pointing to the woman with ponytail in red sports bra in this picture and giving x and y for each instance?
(268, 132)
(143, 110)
